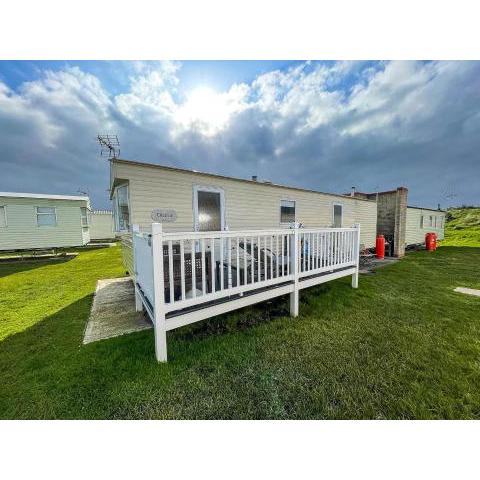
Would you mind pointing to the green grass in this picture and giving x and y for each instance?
(403, 345)
(462, 227)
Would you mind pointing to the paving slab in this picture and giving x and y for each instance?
(369, 265)
(468, 291)
(113, 311)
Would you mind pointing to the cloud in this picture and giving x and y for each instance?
(322, 126)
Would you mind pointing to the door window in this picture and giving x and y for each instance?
(209, 211)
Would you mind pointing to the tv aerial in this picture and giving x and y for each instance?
(449, 192)
(110, 146)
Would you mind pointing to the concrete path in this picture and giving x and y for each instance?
(468, 291)
(113, 311)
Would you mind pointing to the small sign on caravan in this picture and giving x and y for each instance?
(162, 215)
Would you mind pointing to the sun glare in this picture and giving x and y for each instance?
(206, 109)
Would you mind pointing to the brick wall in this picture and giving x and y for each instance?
(400, 221)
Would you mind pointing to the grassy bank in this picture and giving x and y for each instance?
(462, 227)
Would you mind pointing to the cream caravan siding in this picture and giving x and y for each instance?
(101, 225)
(22, 231)
(248, 205)
(415, 233)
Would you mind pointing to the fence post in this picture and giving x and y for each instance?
(138, 298)
(357, 256)
(159, 294)
(294, 264)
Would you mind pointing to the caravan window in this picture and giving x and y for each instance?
(3, 216)
(287, 211)
(422, 221)
(46, 217)
(337, 215)
(121, 209)
(84, 214)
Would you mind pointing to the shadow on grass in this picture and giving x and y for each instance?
(237, 320)
(45, 372)
(9, 267)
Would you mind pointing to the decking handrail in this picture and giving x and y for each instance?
(215, 272)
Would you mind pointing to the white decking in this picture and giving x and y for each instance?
(181, 278)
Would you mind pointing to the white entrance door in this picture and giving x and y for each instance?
(209, 209)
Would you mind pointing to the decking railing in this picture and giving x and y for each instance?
(181, 278)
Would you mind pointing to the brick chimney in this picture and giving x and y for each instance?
(392, 217)
(400, 221)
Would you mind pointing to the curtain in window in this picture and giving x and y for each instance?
(287, 211)
(337, 216)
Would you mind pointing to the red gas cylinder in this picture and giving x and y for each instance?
(430, 241)
(380, 246)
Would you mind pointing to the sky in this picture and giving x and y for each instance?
(326, 126)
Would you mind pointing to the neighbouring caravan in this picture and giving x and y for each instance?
(101, 225)
(421, 221)
(36, 221)
(206, 202)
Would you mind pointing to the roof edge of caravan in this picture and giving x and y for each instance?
(45, 196)
(216, 175)
(427, 208)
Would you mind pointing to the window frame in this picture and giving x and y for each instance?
(295, 209)
(431, 221)
(37, 213)
(86, 225)
(338, 204)
(116, 210)
(207, 188)
(4, 207)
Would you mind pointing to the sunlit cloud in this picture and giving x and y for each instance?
(208, 111)
(314, 125)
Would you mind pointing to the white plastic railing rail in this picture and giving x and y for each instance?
(216, 272)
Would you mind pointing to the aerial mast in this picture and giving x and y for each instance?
(110, 146)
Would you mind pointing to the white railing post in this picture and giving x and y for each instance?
(356, 256)
(159, 293)
(294, 266)
(138, 298)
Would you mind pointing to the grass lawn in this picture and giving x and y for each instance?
(403, 345)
